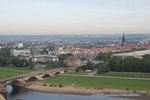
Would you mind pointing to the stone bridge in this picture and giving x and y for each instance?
(35, 76)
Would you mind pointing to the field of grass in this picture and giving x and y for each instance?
(14, 71)
(96, 82)
(76, 73)
(126, 74)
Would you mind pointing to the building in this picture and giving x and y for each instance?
(15, 52)
(130, 46)
(44, 58)
(20, 45)
(123, 40)
(86, 55)
(137, 54)
(56, 48)
(73, 61)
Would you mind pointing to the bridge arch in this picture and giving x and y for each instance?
(18, 81)
(46, 76)
(33, 78)
(56, 73)
(66, 71)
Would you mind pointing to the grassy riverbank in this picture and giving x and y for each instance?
(126, 74)
(99, 82)
(116, 74)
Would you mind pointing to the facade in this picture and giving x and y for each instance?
(44, 58)
(20, 45)
(87, 55)
(56, 48)
(137, 54)
(73, 61)
(15, 52)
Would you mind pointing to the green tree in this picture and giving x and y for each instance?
(106, 56)
(103, 68)
(63, 56)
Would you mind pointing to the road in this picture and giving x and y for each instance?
(34, 74)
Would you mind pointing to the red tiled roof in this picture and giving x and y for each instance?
(101, 49)
(130, 46)
(145, 46)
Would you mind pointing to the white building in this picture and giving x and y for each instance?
(87, 55)
(58, 48)
(137, 54)
(15, 52)
(44, 58)
(20, 45)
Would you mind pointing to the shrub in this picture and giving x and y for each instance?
(60, 85)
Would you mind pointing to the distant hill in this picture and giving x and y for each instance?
(75, 37)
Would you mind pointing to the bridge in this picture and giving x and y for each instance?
(33, 76)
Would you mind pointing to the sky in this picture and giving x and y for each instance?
(74, 17)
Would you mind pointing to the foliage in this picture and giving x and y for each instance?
(56, 64)
(60, 85)
(104, 56)
(88, 66)
(103, 68)
(7, 60)
(130, 64)
(63, 56)
(5, 52)
(146, 56)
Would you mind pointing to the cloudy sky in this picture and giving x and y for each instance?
(74, 16)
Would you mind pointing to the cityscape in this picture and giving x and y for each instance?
(74, 50)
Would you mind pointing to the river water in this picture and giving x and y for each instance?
(33, 95)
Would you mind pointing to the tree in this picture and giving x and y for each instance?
(56, 64)
(130, 64)
(103, 68)
(104, 56)
(63, 56)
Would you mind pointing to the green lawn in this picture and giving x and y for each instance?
(14, 71)
(126, 74)
(95, 82)
(76, 73)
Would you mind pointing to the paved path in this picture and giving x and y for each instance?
(92, 73)
(108, 77)
(35, 73)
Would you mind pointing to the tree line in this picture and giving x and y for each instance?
(128, 64)
(7, 60)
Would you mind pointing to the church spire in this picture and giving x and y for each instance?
(123, 40)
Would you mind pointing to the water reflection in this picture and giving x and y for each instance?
(15, 92)
(33, 95)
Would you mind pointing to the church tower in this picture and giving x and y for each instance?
(123, 40)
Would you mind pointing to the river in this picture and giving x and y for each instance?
(33, 95)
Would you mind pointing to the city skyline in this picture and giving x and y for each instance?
(74, 17)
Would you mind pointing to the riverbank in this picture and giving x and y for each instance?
(143, 95)
(71, 89)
